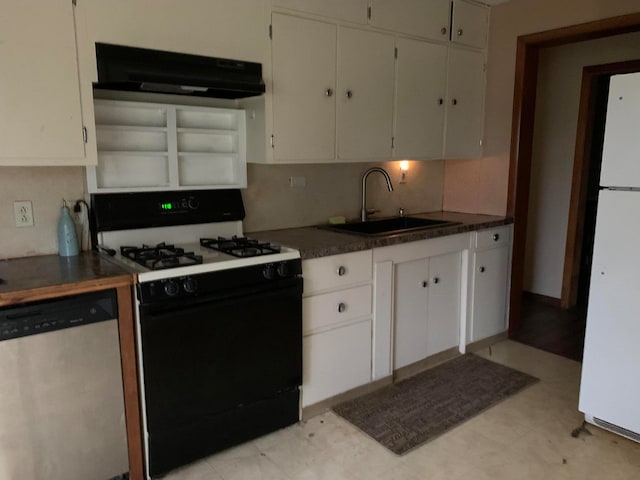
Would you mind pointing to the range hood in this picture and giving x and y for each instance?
(145, 70)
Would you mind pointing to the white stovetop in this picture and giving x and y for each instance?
(212, 261)
(186, 237)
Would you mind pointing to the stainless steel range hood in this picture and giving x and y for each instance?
(145, 70)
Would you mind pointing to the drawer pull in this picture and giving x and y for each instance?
(482, 269)
(341, 271)
(496, 237)
(341, 307)
(424, 284)
(443, 30)
(436, 280)
(460, 32)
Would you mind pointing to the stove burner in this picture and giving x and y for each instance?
(161, 256)
(240, 246)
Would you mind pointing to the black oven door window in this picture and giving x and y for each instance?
(204, 356)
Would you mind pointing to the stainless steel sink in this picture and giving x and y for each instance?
(389, 226)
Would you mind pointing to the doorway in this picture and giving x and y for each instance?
(575, 278)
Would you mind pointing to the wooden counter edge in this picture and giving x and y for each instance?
(66, 289)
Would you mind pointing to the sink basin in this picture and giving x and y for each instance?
(389, 226)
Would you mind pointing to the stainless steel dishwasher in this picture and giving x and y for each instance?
(61, 398)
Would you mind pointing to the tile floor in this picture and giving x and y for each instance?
(528, 436)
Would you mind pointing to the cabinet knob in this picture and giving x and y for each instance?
(454, 101)
(496, 237)
(328, 92)
(349, 94)
(341, 307)
(460, 32)
(482, 269)
(424, 284)
(443, 30)
(341, 271)
(440, 101)
(436, 280)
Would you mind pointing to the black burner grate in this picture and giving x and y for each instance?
(240, 246)
(161, 256)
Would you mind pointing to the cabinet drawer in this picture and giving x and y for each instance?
(336, 271)
(335, 361)
(322, 311)
(493, 237)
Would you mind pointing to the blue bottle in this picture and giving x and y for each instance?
(67, 239)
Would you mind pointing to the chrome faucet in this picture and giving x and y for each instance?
(363, 211)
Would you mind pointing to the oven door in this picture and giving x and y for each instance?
(220, 369)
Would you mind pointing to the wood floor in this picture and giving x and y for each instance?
(552, 329)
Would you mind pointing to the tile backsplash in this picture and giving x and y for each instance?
(331, 189)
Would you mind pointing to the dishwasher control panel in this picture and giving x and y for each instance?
(49, 315)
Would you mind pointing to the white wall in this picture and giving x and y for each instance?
(557, 103)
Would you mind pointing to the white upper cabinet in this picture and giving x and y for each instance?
(470, 24)
(465, 104)
(347, 10)
(420, 93)
(321, 87)
(304, 79)
(423, 18)
(40, 107)
(365, 94)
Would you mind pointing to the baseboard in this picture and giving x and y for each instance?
(326, 404)
(551, 301)
(425, 364)
(486, 342)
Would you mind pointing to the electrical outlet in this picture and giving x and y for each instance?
(299, 182)
(23, 213)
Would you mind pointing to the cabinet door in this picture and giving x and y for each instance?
(429, 19)
(621, 149)
(40, 114)
(420, 93)
(411, 306)
(335, 361)
(443, 313)
(489, 293)
(366, 66)
(348, 10)
(465, 103)
(470, 24)
(304, 76)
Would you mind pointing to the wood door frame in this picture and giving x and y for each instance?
(581, 168)
(524, 100)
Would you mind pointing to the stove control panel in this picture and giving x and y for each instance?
(218, 281)
(179, 205)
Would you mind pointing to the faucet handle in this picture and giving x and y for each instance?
(401, 212)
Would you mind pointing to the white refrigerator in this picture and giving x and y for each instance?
(610, 386)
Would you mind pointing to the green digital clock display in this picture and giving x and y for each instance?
(166, 206)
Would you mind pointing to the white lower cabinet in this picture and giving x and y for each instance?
(336, 317)
(427, 307)
(489, 287)
(420, 308)
(335, 361)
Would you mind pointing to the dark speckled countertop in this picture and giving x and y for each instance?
(314, 242)
(48, 276)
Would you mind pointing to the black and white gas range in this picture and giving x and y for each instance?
(219, 320)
